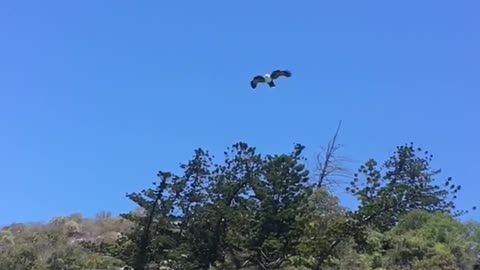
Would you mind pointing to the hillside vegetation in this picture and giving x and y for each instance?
(255, 211)
(58, 244)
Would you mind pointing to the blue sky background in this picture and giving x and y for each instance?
(97, 96)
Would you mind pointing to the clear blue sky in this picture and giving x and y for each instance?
(97, 96)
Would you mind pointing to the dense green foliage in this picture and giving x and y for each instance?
(253, 211)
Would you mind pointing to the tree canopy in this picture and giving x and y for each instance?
(265, 211)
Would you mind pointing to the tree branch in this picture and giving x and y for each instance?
(328, 165)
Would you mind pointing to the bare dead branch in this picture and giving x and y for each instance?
(330, 165)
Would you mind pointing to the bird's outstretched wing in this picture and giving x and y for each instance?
(278, 73)
(256, 80)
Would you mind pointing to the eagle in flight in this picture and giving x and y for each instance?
(269, 78)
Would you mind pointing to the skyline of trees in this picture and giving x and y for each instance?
(266, 211)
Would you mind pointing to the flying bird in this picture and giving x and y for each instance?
(269, 78)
